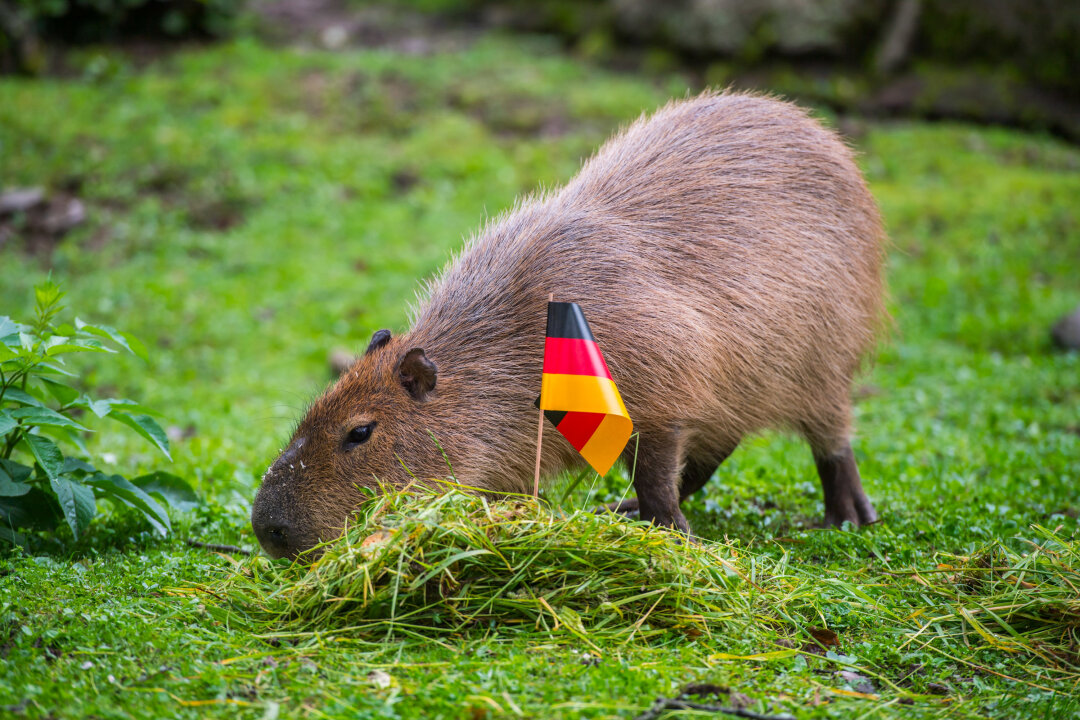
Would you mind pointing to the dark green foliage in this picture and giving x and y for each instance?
(29, 27)
(39, 401)
(104, 20)
(1036, 37)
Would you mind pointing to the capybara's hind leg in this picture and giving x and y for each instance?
(656, 479)
(698, 469)
(844, 495)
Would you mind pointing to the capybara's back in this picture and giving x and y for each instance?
(728, 256)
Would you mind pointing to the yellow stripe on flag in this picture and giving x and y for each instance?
(580, 393)
(591, 394)
(607, 442)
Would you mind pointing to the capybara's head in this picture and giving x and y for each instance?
(364, 432)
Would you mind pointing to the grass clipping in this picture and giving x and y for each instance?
(427, 563)
(1019, 602)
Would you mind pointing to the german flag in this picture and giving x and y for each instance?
(577, 393)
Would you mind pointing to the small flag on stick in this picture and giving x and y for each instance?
(577, 394)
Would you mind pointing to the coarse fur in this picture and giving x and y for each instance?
(729, 259)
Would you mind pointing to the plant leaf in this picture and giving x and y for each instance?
(8, 327)
(77, 502)
(58, 345)
(16, 471)
(147, 427)
(64, 435)
(6, 422)
(59, 390)
(46, 453)
(36, 510)
(12, 475)
(45, 416)
(124, 339)
(175, 490)
(101, 408)
(75, 465)
(53, 368)
(47, 294)
(115, 487)
(22, 397)
(12, 537)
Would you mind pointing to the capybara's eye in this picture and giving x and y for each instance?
(357, 435)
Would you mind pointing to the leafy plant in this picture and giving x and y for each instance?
(40, 487)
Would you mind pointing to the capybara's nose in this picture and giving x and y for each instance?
(275, 538)
(273, 535)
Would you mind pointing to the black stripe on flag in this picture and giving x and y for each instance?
(565, 320)
(554, 416)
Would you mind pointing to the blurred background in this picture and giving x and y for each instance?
(255, 186)
(1003, 61)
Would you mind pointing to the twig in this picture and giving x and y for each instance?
(680, 702)
(219, 548)
(899, 34)
(663, 704)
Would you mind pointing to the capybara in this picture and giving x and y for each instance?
(728, 257)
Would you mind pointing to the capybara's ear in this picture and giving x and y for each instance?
(417, 373)
(379, 339)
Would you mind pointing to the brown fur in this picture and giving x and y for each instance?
(728, 257)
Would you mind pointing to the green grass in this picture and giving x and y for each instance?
(252, 208)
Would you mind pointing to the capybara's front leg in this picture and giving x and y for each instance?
(844, 495)
(656, 479)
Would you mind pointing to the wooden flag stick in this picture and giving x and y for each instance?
(540, 435)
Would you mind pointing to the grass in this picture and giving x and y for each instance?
(251, 208)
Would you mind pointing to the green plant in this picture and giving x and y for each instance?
(39, 404)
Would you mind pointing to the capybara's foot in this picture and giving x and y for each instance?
(628, 507)
(845, 499)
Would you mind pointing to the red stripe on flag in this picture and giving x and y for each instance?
(570, 356)
(578, 427)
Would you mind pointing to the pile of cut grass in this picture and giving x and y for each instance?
(421, 564)
(1020, 602)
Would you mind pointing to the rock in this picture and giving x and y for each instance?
(859, 683)
(40, 221)
(20, 200)
(176, 434)
(334, 37)
(739, 701)
(379, 679)
(63, 214)
(1066, 331)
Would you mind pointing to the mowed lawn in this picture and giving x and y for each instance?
(252, 208)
